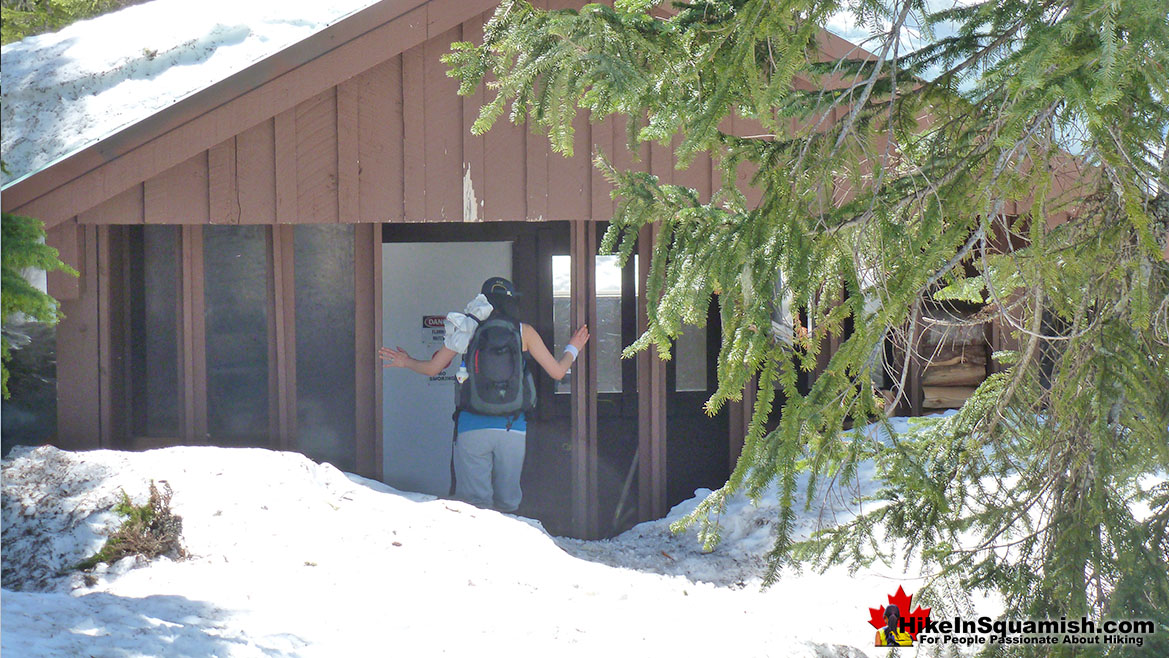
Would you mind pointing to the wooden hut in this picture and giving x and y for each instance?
(242, 254)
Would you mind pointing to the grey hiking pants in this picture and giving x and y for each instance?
(488, 463)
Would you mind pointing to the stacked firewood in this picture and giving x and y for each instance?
(957, 356)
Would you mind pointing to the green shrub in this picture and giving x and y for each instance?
(149, 530)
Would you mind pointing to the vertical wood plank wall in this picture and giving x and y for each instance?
(389, 144)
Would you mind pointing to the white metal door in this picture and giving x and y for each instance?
(422, 282)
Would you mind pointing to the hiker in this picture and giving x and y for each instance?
(489, 447)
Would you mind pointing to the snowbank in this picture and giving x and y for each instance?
(292, 558)
(746, 529)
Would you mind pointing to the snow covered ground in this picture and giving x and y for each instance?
(292, 558)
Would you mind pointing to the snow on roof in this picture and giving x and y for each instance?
(66, 91)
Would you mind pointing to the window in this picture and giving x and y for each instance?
(235, 260)
(690, 353)
(325, 351)
(606, 335)
(155, 292)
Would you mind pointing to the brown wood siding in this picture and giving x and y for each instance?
(348, 158)
(223, 183)
(505, 154)
(474, 146)
(378, 96)
(125, 208)
(179, 194)
(316, 133)
(255, 149)
(443, 129)
(603, 139)
(66, 239)
(284, 152)
(413, 135)
(391, 143)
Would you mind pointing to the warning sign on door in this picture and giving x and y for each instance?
(433, 331)
(433, 335)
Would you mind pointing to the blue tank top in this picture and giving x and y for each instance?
(472, 421)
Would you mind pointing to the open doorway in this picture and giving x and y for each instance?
(476, 251)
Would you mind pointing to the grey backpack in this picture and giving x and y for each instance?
(499, 382)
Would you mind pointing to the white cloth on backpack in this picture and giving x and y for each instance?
(461, 326)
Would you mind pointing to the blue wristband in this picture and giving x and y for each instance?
(571, 349)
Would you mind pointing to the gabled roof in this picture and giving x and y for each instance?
(92, 173)
(64, 181)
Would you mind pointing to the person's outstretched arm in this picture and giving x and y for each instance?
(397, 358)
(553, 366)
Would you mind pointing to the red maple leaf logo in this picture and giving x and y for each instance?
(912, 623)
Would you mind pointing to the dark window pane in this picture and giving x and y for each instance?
(236, 325)
(154, 330)
(325, 372)
(691, 354)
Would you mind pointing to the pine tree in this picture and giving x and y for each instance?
(1035, 487)
(24, 248)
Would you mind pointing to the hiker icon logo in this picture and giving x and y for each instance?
(895, 624)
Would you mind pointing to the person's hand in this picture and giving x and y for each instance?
(581, 337)
(393, 358)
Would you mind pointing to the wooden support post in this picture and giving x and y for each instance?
(77, 351)
(284, 307)
(114, 344)
(913, 383)
(828, 344)
(378, 429)
(105, 370)
(584, 381)
(194, 337)
(367, 276)
(651, 400)
(740, 422)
